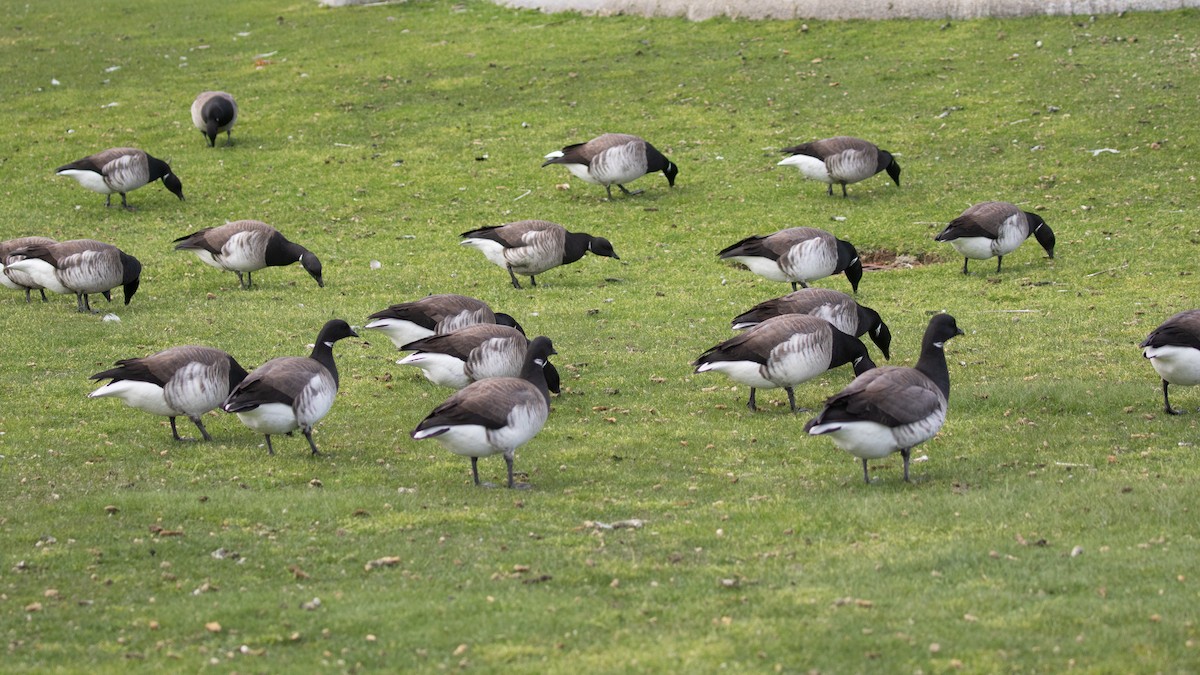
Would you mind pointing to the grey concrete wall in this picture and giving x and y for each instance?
(698, 10)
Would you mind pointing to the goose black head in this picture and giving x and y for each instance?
(670, 172)
(848, 256)
(881, 335)
(131, 275)
(602, 246)
(312, 265)
(503, 319)
(892, 167)
(1042, 232)
(172, 183)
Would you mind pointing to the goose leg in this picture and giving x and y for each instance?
(27, 291)
(311, 444)
(475, 469)
(516, 284)
(608, 188)
(830, 190)
(791, 398)
(793, 286)
(199, 425)
(751, 404)
(124, 204)
(844, 195)
(43, 292)
(1167, 402)
(108, 200)
(866, 474)
(999, 259)
(174, 431)
(965, 265)
(270, 450)
(508, 459)
(627, 192)
(906, 453)
(241, 281)
(249, 279)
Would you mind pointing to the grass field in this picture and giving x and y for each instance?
(1048, 528)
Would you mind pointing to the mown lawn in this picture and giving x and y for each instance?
(1048, 526)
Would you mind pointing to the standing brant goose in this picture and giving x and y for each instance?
(190, 380)
(892, 408)
(291, 392)
(835, 307)
(784, 351)
(496, 415)
(471, 354)
(1174, 350)
(613, 159)
(435, 314)
(530, 247)
(214, 112)
(16, 279)
(120, 170)
(995, 229)
(798, 255)
(79, 266)
(841, 159)
(246, 246)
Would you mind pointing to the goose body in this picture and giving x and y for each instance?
(16, 279)
(434, 315)
(841, 160)
(214, 112)
(496, 415)
(188, 381)
(613, 159)
(995, 229)
(79, 266)
(473, 353)
(798, 255)
(291, 392)
(784, 351)
(836, 307)
(530, 247)
(1174, 351)
(120, 170)
(890, 408)
(246, 246)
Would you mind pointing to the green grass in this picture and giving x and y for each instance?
(762, 549)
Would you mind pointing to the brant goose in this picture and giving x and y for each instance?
(189, 381)
(841, 159)
(120, 170)
(496, 415)
(784, 351)
(291, 392)
(995, 229)
(892, 408)
(835, 307)
(1174, 350)
(435, 314)
(798, 255)
(79, 266)
(530, 247)
(246, 246)
(473, 353)
(16, 279)
(613, 159)
(214, 112)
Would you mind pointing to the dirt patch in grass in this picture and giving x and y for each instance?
(883, 259)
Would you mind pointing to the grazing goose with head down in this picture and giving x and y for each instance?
(15, 279)
(79, 266)
(784, 351)
(496, 415)
(246, 246)
(120, 170)
(530, 247)
(798, 255)
(995, 229)
(1174, 350)
(189, 381)
(291, 392)
(214, 112)
(433, 315)
(892, 408)
(613, 159)
(835, 307)
(842, 160)
(471, 354)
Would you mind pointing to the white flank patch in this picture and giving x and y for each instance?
(492, 250)
(440, 369)
(810, 167)
(141, 395)
(748, 373)
(975, 248)
(400, 331)
(865, 440)
(41, 272)
(89, 179)
(1175, 364)
(763, 267)
(270, 418)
